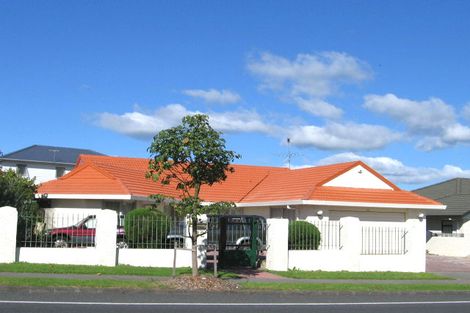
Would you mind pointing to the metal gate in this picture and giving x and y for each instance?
(239, 240)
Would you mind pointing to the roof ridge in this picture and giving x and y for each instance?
(254, 187)
(16, 151)
(108, 174)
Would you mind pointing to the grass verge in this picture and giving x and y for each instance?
(360, 275)
(101, 270)
(355, 287)
(250, 286)
(77, 283)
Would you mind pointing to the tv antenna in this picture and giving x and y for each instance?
(290, 154)
(54, 151)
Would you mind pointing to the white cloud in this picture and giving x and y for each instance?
(143, 125)
(240, 121)
(397, 172)
(223, 96)
(311, 77)
(319, 107)
(335, 136)
(433, 121)
(466, 111)
(419, 116)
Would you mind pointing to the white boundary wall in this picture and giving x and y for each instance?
(104, 253)
(154, 257)
(74, 256)
(451, 246)
(277, 257)
(349, 257)
(8, 218)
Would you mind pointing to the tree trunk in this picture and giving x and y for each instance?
(194, 234)
(194, 246)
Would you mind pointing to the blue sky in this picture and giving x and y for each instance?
(385, 82)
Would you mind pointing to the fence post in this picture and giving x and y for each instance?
(351, 242)
(415, 242)
(9, 218)
(277, 253)
(105, 239)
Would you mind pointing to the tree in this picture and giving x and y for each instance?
(18, 192)
(190, 156)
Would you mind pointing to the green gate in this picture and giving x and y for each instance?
(240, 239)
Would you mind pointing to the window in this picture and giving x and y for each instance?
(446, 227)
(59, 172)
(21, 169)
(91, 223)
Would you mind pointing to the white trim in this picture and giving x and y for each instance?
(262, 204)
(345, 203)
(86, 196)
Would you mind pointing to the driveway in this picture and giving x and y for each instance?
(445, 264)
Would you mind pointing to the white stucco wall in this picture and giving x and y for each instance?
(261, 211)
(349, 257)
(104, 252)
(358, 177)
(449, 246)
(74, 256)
(39, 171)
(154, 257)
(8, 218)
(277, 257)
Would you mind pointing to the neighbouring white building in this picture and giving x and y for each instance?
(42, 163)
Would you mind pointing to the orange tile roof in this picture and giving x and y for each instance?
(369, 195)
(247, 184)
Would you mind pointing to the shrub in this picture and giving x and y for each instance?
(18, 192)
(146, 228)
(303, 236)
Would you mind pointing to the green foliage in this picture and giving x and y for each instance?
(18, 192)
(146, 228)
(303, 236)
(190, 155)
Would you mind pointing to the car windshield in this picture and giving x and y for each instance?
(88, 222)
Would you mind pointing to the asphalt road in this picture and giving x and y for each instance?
(22, 300)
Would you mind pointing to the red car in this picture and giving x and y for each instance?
(81, 234)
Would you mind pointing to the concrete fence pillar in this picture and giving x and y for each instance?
(202, 251)
(277, 253)
(105, 238)
(351, 242)
(415, 242)
(8, 228)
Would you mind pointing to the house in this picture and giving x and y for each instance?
(43, 163)
(345, 189)
(449, 230)
(366, 222)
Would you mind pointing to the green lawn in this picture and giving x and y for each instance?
(100, 270)
(247, 286)
(283, 286)
(78, 283)
(360, 275)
